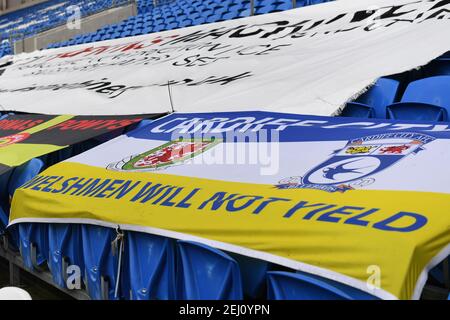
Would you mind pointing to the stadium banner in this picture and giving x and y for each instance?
(24, 137)
(364, 203)
(309, 60)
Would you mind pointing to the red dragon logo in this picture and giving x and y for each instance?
(171, 153)
(394, 149)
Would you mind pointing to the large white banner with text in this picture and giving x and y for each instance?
(309, 60)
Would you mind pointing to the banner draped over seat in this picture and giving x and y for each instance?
(24, 137)
(309, 60)
(349, 199)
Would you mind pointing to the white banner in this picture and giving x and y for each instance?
(309, 60)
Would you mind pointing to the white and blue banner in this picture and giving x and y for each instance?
(335, 197)
(309, 60)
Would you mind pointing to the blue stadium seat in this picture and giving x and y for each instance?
(357, 110)
(303, 286)
(253, 274)
(301, 3)
(65, 249)
(293, 286)
(30, 238)
(372, 104)
(205, 273)
(33, 244)
(42, 16)
(171, 15)
(99, 261)
(416, 111)
(425, 99)
(148, 267)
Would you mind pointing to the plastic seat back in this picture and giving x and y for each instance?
(205, 273)
(433, 90)
(253, 274)
(425, 99)
(149, 267)
(31, 238)
(416, 111)
(295, 286)
(379, 96)
(24, 173)
(99, 261)
(65, 249)
(357, 110)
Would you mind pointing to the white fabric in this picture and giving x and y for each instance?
(14, 293)
(337, 50)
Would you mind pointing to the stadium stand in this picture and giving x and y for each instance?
(203, 272)
(303, 286)
(65, 249)
(149, 267)
(180, 14)
(206, 273)
(44, 16)
(422, 94)
(100, 262)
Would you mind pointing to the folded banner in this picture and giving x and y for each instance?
(24, 137)
(332, 196)
(309, 61)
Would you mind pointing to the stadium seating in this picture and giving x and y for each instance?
(292, 286)
(100, 262)
(253, 274)
(159, 268)
(65, 249)
(425, 99)
(303, 286)
(5, 48)
(372, 104)
(205, 273)
(148, 267)
(179, 14)
(33, 242)
(422, 95)
(44, 16)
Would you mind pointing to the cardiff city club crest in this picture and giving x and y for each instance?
(353, 166)
(9, 140)
(169, 154)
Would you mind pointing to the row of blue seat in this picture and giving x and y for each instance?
(155, 267)
(5, 48)
(426, 99)
(43, 16)
(180, 14)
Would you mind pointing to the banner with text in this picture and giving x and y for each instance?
(330, 196)
(309, 60)
(24, 137)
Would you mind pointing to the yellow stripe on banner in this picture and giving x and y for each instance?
(48, 124)
(19, 153)
(361, 234)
